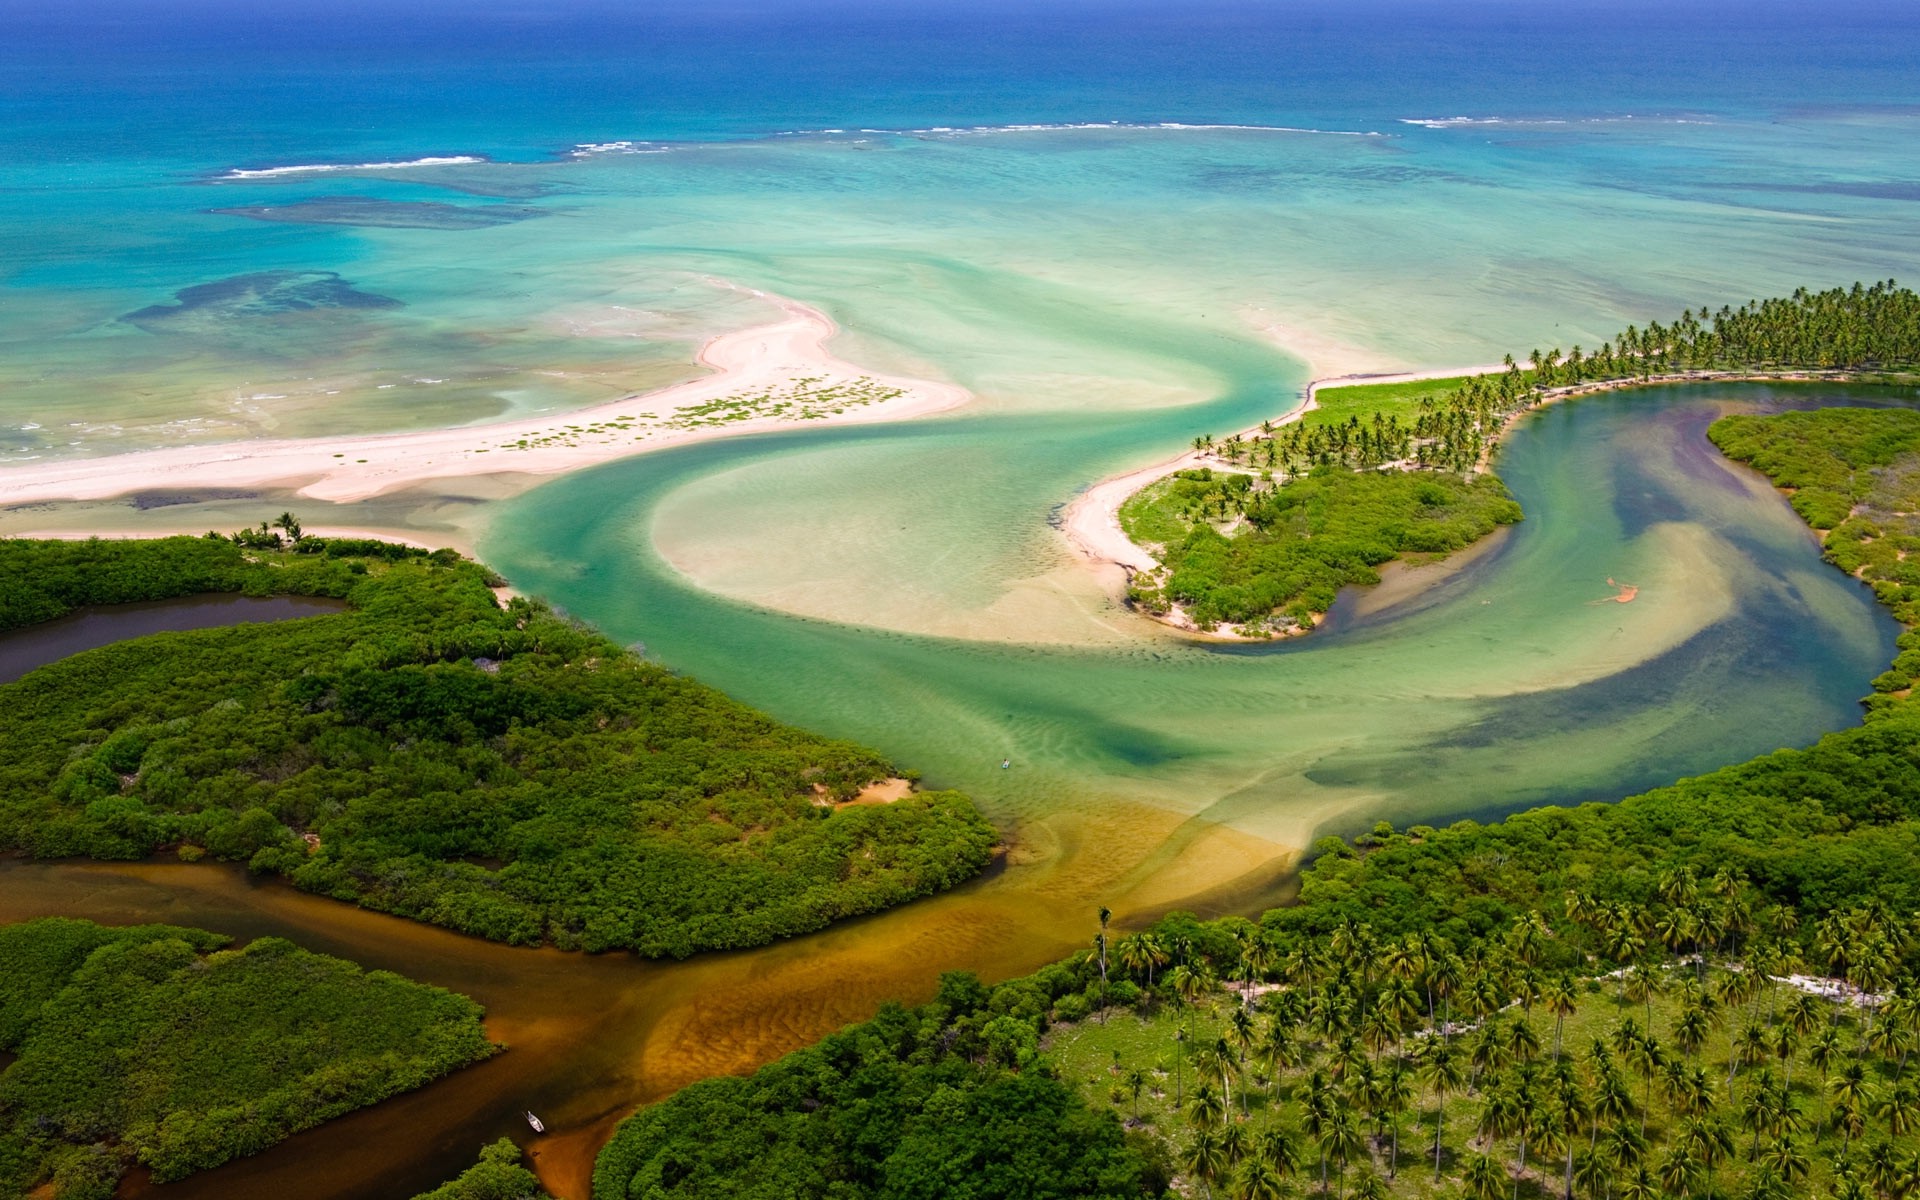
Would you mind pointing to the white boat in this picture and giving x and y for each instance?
(535, 1122)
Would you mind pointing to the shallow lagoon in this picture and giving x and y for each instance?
(1148, 772)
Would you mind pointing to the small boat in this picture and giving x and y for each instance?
(535, 1122)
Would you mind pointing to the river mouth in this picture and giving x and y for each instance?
(1146, 774)
(24, 650)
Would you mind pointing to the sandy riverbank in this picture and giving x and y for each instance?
(767, 377)
(1091, 521)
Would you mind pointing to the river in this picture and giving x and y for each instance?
(1147, 771)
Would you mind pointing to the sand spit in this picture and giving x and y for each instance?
(768, 377)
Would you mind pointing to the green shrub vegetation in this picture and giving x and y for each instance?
(1234, 549)
(497, 1176)
(947, 1101)
(151, 1045)
(1855, 474)
(1433, 429)
(1708, 990)
(427, 752)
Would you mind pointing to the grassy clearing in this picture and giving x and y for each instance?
(1335, 404)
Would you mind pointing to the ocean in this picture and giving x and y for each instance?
(1120, 226)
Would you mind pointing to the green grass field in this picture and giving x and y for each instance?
(1336, 404)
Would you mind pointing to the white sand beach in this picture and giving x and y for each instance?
(766, 377)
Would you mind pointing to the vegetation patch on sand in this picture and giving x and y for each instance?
(151, 1045)
(500, 771)
(1260, 558)
(810, 398)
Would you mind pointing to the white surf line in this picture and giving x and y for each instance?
(788, 353)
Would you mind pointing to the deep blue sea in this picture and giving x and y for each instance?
(272, 81)
(1117, 226)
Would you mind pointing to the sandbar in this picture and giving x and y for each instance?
(772, 376)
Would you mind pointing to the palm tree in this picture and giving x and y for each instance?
(1789, 1161)
(1849, 1088)
(1141, 952)
(1642, 984)
(1625, 1148)
(1485, 1178)
(1440, 1069)
(1711, 1144)
(1591, 1173)
(1106, 914)
(1369, 1186)
(1394, 1094)
(1340, 1141)
(1786, 1043)
(1899, 1107)
(1135, 1083)
(1558, 996)
(1206, 1110)
(1690, 1030)
(1648, 1058)
(1276, 1148)
(1258, 1181)
(1824, 1051)
(1678, 1169)
(1234, 1143)
(1206, 1159)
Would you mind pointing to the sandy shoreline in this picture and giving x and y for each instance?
(784, 366)
(1091, 521)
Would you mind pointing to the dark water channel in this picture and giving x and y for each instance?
(24, 650)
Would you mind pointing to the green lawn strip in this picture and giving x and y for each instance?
(1333, 405)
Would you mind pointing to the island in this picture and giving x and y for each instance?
(1368, 473)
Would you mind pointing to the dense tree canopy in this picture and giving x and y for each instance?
(1238, 550)
(1235, 550)
(497, 1176)
(149, 1044)
(428, 752)
(1854, 473)
(1611, 1000)
(942, 1102)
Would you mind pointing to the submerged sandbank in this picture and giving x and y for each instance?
(766, 377)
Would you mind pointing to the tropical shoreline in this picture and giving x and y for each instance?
(760, 376)
(1091, 522)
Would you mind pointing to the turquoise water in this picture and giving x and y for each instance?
(1119, 226)
(1515, 682)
